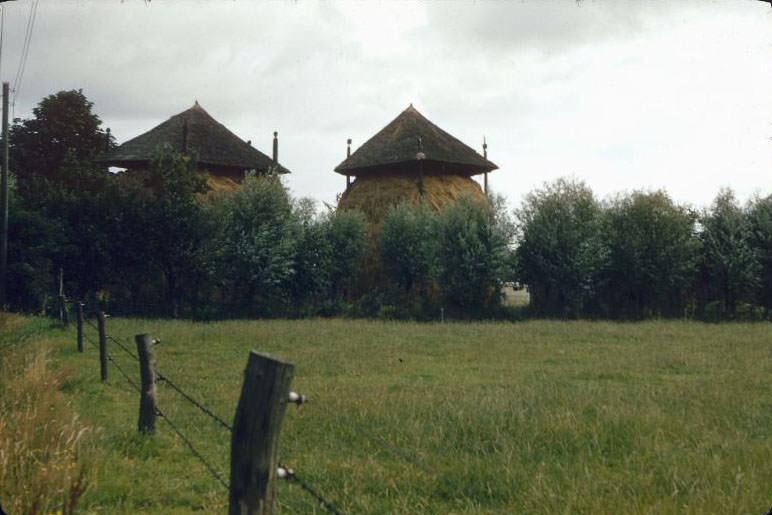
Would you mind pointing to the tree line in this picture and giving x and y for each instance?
(159, 243)
(642, 255)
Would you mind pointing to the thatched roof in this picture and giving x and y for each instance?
(193, 131)
(395, 149)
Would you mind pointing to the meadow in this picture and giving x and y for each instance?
(539, 417)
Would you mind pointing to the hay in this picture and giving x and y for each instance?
(373, 196)
(219, 183)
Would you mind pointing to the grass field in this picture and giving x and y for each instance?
(534, 417)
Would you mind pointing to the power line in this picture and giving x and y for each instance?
(25, 51)
(2, 31)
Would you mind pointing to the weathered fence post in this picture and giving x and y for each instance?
(147, 394)
(61, 300)
(102, 345)
(255, 436)
(79, 318)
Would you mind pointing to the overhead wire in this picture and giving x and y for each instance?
(24, 53)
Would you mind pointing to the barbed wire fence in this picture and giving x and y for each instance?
(283, 472)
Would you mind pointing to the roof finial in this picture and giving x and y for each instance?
(485, 148)
(275, 147)
(348, 148)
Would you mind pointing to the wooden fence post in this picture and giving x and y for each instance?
(79, 318)
(102, 345)
(255, 435)
(62, 301)
(147, 394)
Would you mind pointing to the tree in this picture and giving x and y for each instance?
(759, 239)
(34, 243)
(57, 147)
(650, 255)
(173, 220)
(257, 241)
(474, 256)
(328, 255)
(558, 254)
(727, 260)
(408, 246)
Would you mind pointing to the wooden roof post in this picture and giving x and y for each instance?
(485, 175)
(348, 154)
(420, 156)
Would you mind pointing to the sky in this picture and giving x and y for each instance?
(623, 95)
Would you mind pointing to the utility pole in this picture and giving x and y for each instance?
(4, 202)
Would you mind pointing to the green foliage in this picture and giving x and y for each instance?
(33, 247)
(408, 246)
(473, 254)
(559, 255)
(64, 136)
(347, 235)
(256, 242)
(728, 262)
(174, 221)
(651, 255)
(759, 216)
(329, 252)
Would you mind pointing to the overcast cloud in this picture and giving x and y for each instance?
(623, 95)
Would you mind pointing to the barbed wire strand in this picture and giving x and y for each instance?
(122, 346)
(190, 399)
(316, 495)
(179, 390)
(304, 485)
(187, 442)
(174, 428)
(110, 358)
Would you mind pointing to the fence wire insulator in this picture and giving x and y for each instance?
(284, 473)
(297, 398)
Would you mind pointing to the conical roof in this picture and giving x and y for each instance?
(194, 131)
(397, 145)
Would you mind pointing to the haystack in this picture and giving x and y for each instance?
(220, 152)
(374, 195)
(410, 160)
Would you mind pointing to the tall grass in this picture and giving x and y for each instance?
(537, 417)
(40, 433)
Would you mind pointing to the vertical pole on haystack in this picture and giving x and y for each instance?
(102, 345)
(348, 154)
(420, 156)
(255, 435)
(485, 175)
(147, 374)
(275, 147)
(4, 201)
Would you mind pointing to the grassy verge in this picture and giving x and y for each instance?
(534, 417)
(42, 469)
